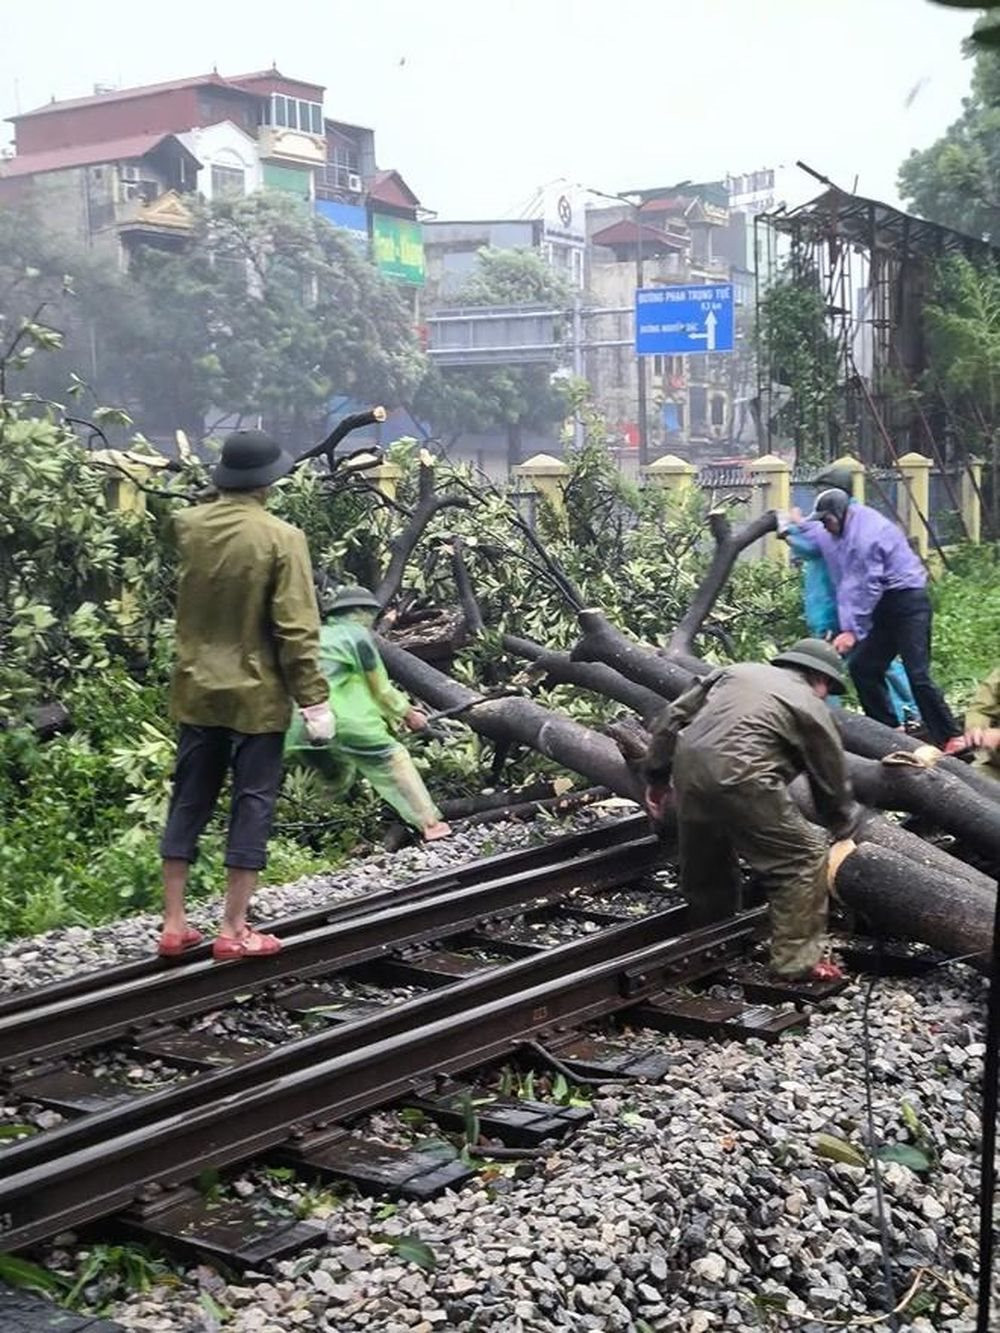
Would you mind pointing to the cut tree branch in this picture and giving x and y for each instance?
(728, 546)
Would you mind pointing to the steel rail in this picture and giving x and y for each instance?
(469, 872)
(332, 1076)
(588, 951)
(94, 1017)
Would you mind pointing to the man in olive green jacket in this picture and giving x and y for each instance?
(731, 744)
(982, 724)
(247, 646)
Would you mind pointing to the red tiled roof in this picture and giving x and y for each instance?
(389, 187)
(86, 155)
(124, 94)
(668, 204)
(214, 79)
(627, 233)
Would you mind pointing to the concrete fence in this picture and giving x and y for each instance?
(934, 508)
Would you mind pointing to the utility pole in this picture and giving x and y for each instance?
(634, 199)
(640, 367)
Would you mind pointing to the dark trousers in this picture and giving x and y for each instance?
(758, 822)
(901, 626)
(204, 756)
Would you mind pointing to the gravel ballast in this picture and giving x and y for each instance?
(694, 1204)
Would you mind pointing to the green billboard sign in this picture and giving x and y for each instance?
(398, 248)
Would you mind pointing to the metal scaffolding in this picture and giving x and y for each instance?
(874, 267)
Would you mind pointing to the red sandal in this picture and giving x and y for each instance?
(821, 971)
(173, 942)
(251, 944)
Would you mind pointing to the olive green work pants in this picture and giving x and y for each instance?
(758, 822)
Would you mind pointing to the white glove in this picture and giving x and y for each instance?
(320, 724)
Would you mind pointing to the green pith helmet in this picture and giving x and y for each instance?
(840, 478)
(814, 655)
(351, 598)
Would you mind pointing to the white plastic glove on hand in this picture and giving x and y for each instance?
(320, 724)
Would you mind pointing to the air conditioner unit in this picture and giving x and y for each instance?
(354, 182)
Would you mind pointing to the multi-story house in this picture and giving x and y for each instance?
(122, 167)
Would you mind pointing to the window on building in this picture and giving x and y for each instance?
(698, 399)
(341, 164)
(228, 182)
(658, 365)
(718, 409)
(291, 113)
(619, 373)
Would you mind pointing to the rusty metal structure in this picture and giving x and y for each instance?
(874, 267)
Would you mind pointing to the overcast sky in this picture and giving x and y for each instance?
(478, 102)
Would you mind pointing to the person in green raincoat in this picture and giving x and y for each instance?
(364, 704)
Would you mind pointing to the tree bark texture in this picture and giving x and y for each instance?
(595, 677)
(551, 734)
(953, 915)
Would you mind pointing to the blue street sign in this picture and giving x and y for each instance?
(674, 321)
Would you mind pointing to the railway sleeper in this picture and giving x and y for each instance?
(234, 1231)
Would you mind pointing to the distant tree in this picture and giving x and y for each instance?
(269, 311)
(509, 397)
(49, 281)
(795, 345)
(963, 330)
(956, 181)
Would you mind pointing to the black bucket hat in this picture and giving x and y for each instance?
(250, 459)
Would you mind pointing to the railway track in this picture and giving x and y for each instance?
(293, 1100)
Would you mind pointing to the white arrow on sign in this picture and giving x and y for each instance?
(709, 334)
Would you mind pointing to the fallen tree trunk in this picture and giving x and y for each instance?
(593, 676)
(882, 888)
(943, 796)
(551, 734)
(871, 740)
(923, 895)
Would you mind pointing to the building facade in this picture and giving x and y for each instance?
(124, 166)
(694, 403)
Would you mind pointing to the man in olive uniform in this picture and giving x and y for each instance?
(247, 646)
(731, 744)
(982, 724)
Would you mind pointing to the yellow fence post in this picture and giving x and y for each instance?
(671, 473)
(969, 493)
(126, 475)
(386, 477)
(915, 471)
(547, 476)
(772, 476)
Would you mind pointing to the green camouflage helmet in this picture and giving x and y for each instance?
(350, 598)
(814, 655)
(840, 478)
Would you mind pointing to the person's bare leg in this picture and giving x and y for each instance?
(240, 886)
(175, 878)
